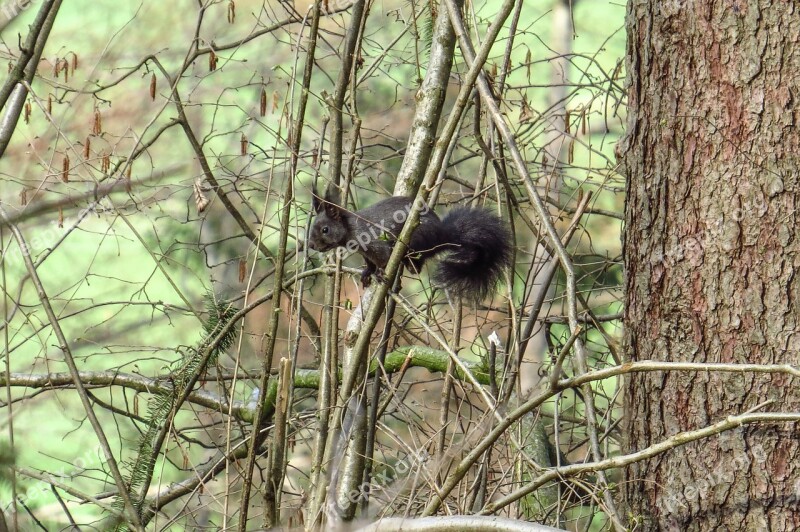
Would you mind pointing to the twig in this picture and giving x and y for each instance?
(731, 422)
(556, 371)
(133, 517)
(537, 400)
(566, 263)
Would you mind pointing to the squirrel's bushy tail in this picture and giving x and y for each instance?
(479, 250)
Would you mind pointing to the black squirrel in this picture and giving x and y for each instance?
(476, 242)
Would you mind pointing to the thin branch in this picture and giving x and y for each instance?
(500, 123)
(54, 482)
(538, 399)
(731, 422)
(73, 369)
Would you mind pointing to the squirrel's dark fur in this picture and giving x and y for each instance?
(476, 243)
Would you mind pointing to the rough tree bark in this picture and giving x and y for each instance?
(711, 251)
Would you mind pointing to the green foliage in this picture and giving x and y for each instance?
(426, 23)
(6, 461)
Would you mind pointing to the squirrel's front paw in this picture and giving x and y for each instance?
(368, 271)
(366, 278)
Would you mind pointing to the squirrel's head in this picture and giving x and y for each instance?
(329, 229)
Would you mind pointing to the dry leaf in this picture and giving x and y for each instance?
(200, 199)
(128, 171)
(528, 63)
(525, 112)
(97, 125)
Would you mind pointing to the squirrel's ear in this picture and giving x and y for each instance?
(333, 211)
(316, 201)
(331, 204)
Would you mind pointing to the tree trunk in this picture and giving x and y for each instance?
(711, 249)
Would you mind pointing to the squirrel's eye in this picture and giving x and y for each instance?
(325, 230)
